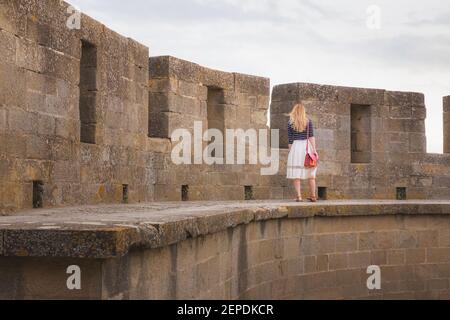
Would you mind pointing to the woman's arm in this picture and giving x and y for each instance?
(290, 136)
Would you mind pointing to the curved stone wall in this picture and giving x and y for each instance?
(229, 251)
(304, 258)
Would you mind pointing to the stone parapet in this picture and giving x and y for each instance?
(111, 231)
(370, 141)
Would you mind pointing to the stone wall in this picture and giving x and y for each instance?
(183, 92)
(77, 128)
(389, 153)
(42, 109)
(315, 258)
(85, 118)
(299, 252)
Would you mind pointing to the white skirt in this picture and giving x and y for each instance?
(296, 162)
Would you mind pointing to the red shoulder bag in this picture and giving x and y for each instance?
(311, 159)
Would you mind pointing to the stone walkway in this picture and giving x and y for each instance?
(163, 209)
(111, 230)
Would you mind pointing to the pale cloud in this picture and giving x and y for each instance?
(322, 41)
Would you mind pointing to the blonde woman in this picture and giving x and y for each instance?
(300, 131)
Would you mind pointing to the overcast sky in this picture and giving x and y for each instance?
(319, 41)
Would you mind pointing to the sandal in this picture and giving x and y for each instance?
(298, 199)
(312, 199)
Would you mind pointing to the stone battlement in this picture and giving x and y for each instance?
(372, 142)
(90, 116)
(182, 92)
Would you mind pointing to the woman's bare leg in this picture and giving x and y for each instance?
(312, 188)
(297, 186)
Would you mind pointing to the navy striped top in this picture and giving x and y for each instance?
(295, 135)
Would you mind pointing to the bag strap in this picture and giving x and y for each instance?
(307, 137)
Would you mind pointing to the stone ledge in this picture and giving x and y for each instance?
(102, 232)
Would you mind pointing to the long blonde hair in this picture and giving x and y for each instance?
(298, 118)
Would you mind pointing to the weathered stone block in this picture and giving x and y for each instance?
(163, 85)
(47, 280)
(414, 256)
(188, 89)
(338, 261)
(313, 107)
(360, 96)
(325, 120)
(325, 134)
(281, 107)
(174, 67)
(346, 242)
(444, 238)
(203, 93)
(438, 284)
(12, 85)
(62, 67)
(13, 18)
(38, 148)
(251, 84)
(8, 48)
(446, 102)
(417, 142)
(66, 171)
(310, 264)
(441, 183)
(406, 239)
(359, 259)
(322, 263)
(404, 125)
(400, 112)
(285, 92)
(63, 39)
(34, 101)
(438, 255)
(159, 67)
(326, 243)
(378, 257)
(397, 98)
(159, 102)
(310, 91)
(31, 56)
(216, 79)
(280, 122)
(138, 54)
(262, 102)
(22, 121)
(66, 128)
(446, 117)
(3, 119)
(348, 277)
(40, 83)
(38, 32)
(172, 102)
(259, 118)
(376, 240)
(396, 257)
(419, 113)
